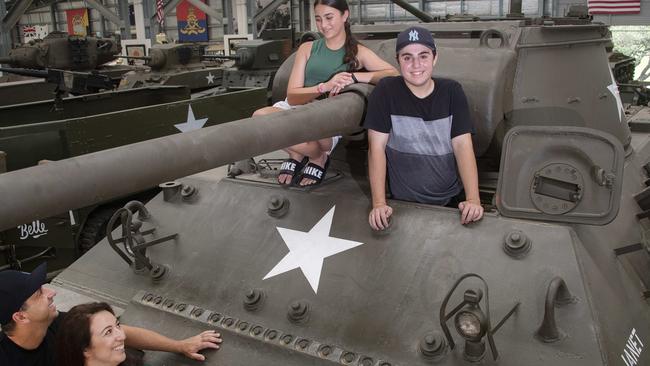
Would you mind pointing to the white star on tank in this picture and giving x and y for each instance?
(210, 78)
(192, 123)
(307, 250)
(613, 88)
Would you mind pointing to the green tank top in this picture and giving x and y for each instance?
(323, 63)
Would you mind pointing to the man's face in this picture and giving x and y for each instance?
(40, 306)
(416, 63)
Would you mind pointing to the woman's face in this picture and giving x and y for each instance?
(330, 21)
(106, 340)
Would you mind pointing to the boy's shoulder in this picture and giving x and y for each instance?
(446, 82)
(390, 81)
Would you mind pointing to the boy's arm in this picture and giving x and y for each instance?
(471, 209)
(380, 211)
(145, 339)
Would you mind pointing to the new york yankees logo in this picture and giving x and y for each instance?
(414, 36)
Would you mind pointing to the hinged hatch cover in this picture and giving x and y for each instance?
(567, 174)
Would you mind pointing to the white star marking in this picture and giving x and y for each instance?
(192, 123)
(613, 88)
(307, 250)
(210, 78)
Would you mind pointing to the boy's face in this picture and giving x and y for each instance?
(416, 63)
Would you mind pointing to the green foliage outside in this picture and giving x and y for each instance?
(634, 41)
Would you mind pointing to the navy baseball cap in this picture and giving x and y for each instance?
(415, 35)
(16, 287)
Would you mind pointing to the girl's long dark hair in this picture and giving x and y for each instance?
(351, 43)
(73, 335)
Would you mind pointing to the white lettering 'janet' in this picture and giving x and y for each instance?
(633, 348)
(414, 35)
(36, 229)
(313, 171)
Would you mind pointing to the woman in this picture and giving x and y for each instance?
(324, 66)
(90, 335)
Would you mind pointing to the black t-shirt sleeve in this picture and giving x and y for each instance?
(378, 113)
(462, 121)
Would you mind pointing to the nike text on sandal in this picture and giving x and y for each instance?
(315, 173)
(290, 167)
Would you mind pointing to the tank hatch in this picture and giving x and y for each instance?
(568, 174)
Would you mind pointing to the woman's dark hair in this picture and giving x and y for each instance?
(73, 335)
(351, 43)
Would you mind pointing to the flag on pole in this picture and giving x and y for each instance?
(614, 6)
(160, 15)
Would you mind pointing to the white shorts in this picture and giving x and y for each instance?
(285, 106)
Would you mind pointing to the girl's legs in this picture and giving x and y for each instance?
(317, 151)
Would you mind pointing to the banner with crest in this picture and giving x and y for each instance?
(192, 23)
(77, 21)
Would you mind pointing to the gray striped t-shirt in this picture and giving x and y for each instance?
(420, 159)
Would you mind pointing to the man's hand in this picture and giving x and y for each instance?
(378, 217)
(190, 347)
(470, 211)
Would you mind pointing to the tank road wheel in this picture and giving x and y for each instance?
(94, 229)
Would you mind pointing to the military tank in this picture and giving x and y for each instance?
(253, 65)
(57, 51)
(555, 273)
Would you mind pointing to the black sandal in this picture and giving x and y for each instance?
(314, 172)
(291, 167)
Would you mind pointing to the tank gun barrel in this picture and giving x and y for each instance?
(222, 57)
(58, 186)
(146, 58)
(6, 60)
(25, 72)
(415, 11)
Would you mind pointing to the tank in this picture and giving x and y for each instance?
(255, 63)
(555, 273)
(57, 51)
(36, 132)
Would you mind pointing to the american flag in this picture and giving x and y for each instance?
(614, 6)
(160, 15)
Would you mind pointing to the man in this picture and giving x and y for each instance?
(29, 323)
(419, 130)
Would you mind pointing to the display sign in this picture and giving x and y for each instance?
(192, 23)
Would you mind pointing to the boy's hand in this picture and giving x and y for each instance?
(470, 211)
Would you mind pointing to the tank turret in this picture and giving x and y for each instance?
(62, 51)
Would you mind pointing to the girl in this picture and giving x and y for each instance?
(324, 66)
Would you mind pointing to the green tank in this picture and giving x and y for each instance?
(556, 273)
(57, 51)
(255, 63)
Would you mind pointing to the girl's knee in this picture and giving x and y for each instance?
(264, 111)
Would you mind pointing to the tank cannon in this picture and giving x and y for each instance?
(68, 81)
(556, 273)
